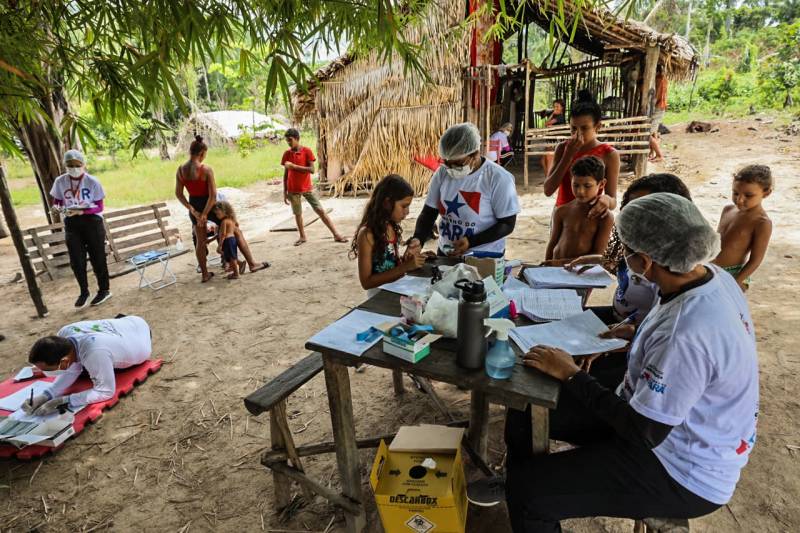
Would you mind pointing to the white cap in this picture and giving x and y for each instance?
(74, 155)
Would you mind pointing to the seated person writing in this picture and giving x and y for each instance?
(573, 233)
(96, 346)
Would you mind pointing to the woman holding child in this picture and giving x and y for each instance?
(585, 118)
(198, 180)
(673, 438)
(476, 198)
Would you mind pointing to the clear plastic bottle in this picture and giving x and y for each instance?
(500, 359)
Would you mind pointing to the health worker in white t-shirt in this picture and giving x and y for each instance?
(672, 438)
(78, 197)
(474, 198)
(94, 346)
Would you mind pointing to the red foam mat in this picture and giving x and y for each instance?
(127, 379)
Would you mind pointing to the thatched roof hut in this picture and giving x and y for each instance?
(374, 119)
(224, 127)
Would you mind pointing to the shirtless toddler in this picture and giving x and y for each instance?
(573, 233)
(744, 227)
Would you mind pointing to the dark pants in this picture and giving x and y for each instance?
(85, 234)
(605, 476)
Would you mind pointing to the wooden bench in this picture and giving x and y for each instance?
(284, 456)
(128, 232)
(628, 135)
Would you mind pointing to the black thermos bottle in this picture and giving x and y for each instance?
(472, 310)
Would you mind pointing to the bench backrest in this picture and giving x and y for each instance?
(628, 135)
(128, 232)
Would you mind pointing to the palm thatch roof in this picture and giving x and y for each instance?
(373, 117)
(600, 33)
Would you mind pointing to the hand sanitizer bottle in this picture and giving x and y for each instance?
(500, 359)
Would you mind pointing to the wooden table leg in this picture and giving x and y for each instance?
(540, 429)
(337, 381)
(397, 381)
(478, 432)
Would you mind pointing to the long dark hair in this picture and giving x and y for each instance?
(585, 105)
(377, 214)
(196, 148)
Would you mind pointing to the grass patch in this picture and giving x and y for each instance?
(146, 180)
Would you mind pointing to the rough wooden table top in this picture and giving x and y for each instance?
(526, 386)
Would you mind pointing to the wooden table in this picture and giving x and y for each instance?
(526, 386)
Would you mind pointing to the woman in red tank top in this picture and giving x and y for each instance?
(585, 122)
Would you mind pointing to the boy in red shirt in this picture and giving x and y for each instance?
(298, 163)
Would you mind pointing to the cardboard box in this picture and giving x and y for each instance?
(418, 481)
(494, 267)
(411, 351)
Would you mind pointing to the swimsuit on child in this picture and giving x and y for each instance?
(734, 270)
(389, 260)
(229, 249)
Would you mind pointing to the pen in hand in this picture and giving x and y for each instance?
(631, 318)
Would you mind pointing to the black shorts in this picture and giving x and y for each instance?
(199, 203)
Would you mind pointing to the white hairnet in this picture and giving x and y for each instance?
(459, 140)
(74, 155)
(670, 229)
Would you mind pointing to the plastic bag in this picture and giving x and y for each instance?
(446, 286)
(442, 314)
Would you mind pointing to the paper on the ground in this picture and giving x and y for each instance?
(576, 335)
(15, 401)
(560, 278)
(408, 286)
(26, 373)
(550, 304)
(20, 415)
(341, 335)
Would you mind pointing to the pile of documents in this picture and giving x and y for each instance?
(559, 278)
(576, 335)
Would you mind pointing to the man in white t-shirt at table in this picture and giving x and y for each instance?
(79, 197)
(95, 346)
(475, 198)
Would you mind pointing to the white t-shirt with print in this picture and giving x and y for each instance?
(74, 193)
(467, 206)
(693, 365)
(101, 346)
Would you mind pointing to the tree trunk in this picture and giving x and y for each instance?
(789, 102)
(3, 229)
(19, 244)
(649, 18)
(44, 146)
(163, 149)
(688, 20)
(707, 49)
(729, 5)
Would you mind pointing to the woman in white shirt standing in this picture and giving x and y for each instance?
(79, 197)
(475, 198)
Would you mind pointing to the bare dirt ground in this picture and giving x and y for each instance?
(182, 454)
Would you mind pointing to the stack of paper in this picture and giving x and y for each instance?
(409, 286)
(576, 335)
(560, 278)
(341, 335)
(544, 305)
(12, 402)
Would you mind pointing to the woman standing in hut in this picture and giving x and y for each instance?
(585, 124)
(476, 198)
(198, 180)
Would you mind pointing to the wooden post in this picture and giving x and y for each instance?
(648, 85)
(540, 429)
(527, 115)
(478, 433)
(281, 484)
(340, 402)
(19, 243)
(397, 381)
